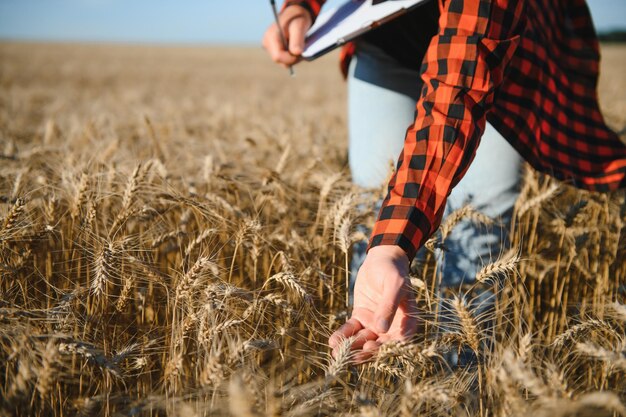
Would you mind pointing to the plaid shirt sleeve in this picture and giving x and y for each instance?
(463, 67)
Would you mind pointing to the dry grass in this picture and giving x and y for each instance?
(176, 226)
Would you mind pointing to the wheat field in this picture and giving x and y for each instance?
(176, 226)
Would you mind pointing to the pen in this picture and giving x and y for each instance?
(282, 35)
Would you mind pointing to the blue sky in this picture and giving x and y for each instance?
(169, 21)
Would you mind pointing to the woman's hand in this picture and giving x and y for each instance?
(295, 21)
(384, 303)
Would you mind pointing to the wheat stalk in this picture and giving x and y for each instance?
(505, 265)
(45, 377)
(82, 195)
(537, 200)
(465, 212)
(289, 281)
(468, 323)
(576, 331)
(615, 359)
(343, 356)
(103, 269)
(12, 218)
(192, 278)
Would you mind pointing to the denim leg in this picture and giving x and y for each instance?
(491, 187)
(381, 105)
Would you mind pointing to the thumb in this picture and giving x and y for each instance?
(297, 32)
(386, 310)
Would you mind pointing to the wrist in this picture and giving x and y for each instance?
(390, 251)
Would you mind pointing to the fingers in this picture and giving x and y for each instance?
(274, 46)
(349, 329)
(297, 31)
(390, 300)
(295, 21)
(361, 338)
(368, 350)
(404, 326)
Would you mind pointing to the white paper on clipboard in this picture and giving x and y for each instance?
(337, 26)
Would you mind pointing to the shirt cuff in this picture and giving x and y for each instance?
(405, 226)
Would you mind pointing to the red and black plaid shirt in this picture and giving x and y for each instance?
(528, 67)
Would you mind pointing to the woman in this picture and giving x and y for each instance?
(529, 68)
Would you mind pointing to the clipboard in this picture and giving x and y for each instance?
(344, 23)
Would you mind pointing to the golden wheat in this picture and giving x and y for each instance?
(176, 237)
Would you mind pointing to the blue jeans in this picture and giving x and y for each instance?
(381, 103)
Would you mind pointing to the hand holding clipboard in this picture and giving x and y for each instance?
(350, 20)
(286, 43)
